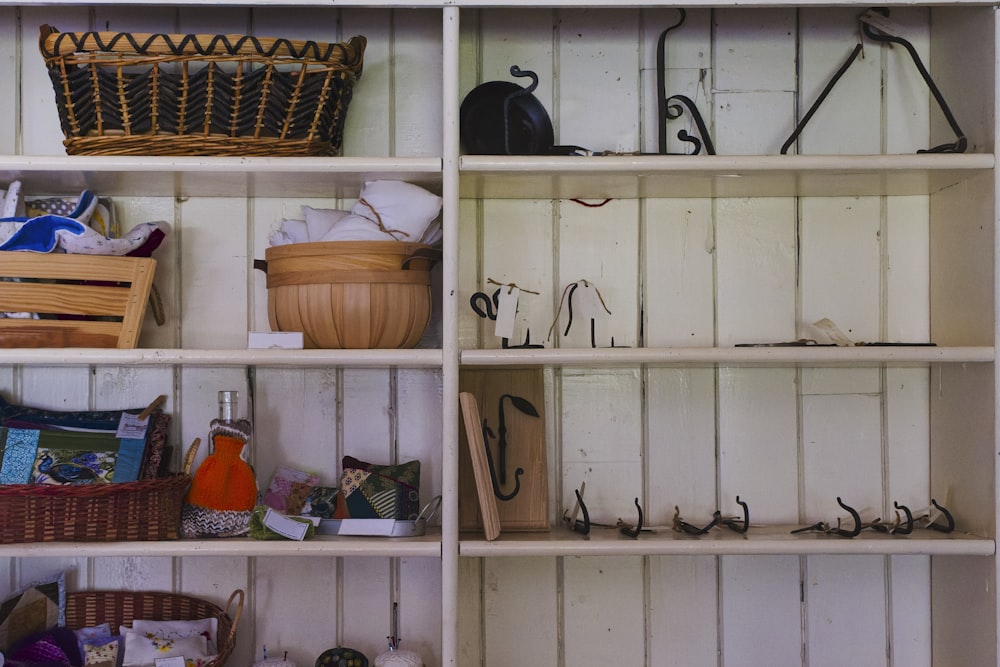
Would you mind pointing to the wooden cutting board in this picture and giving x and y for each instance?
(520, 392)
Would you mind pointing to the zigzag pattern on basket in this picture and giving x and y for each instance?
(158, 43)
(262, 102)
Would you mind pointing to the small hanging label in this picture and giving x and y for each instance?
(506, 311)
(587, 303)
(130, 427)
(880, 23)
(284, 526)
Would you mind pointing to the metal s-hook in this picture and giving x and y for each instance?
(625, 529)
(675, 111)
(582, 527)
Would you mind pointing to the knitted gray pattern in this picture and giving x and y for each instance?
(197, 521)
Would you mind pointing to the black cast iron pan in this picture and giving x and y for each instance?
(502, 118)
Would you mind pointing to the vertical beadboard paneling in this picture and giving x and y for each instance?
(602, 609)
(751, 638)
(520, 600)
(847, 611)
(416, 81)
(470, 612)
(10, 65)
(598, 62)
(682, 619)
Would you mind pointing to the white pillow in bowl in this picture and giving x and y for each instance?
(403, 208)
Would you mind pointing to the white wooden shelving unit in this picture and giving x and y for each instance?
(693, 254)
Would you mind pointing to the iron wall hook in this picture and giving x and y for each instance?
(684, 527)
(854, 515)
(628, 530)
(736, 524)
(949, 519)
(901, 530)
(487, 434)
(676, 110)
(582, 527)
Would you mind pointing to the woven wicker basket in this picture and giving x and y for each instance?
(85, 609)
(143, 510)
(159, 94)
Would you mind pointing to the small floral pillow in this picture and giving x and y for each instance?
(143, 648)
(104, 651)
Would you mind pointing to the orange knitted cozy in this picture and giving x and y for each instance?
(224, 481)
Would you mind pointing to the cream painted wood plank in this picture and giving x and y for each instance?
(369, 127)
(750, 638)
(909, 610)
(471, 631)
(468, 335)
(601, 609)
(755, 274)
(295, 423)
(907, 271)
(283, 597)
(72, 393)
(769, 114)
(198, 404)
(841, 457)
(135, 19)
(419, 610)
(367, 585)
(601, 433)
(599, 245)
(963, 615)
(757, 439)
(845, 598)
(849, 120)
(417, 84)
(678, 285)
(214, 19)
(11, 54)
(597, 61)
(212, 233)
(139, 573)
(683, 611)
(680, 454)
(420, 433)
(826, 381)
(521, 608)
(517, 249)
(840, 250)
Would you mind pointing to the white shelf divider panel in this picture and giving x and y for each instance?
(430, 358)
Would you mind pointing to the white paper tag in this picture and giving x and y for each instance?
(586, 303)
(881, 23)
(175, 661)
(285, 526)
(130, 428)
(506, 311)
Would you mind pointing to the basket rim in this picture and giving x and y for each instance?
(92, 490)
(54, 44)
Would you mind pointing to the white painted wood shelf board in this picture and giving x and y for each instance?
(763, 540)
(429, 358)
(215, 176)
(732, 356)
(621, 176)
(427, 546)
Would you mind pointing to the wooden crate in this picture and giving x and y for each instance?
(82, 300)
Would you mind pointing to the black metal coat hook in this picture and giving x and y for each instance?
(676, 110)
(736, 524)
(683, 526)
(632, 532)
(854, 515)
(906, 528)
(524, 406)
(487, 434)
(582, 527)
(949, 520)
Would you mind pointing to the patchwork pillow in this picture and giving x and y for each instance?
(32, 610)
(321, 502)
(289, 489)
(369, 491)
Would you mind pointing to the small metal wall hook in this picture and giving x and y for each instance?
(907, 528)
(949, 519)
(684, 527)
(625, 529)
(854, 515)
(736, 524)
(576, 525)
(487, 434)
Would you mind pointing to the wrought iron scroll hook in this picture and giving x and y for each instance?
(515, 71)
(901, 530)
(661, 81)
(675, 109)
(524, 406)
(950, 520)
(487, 434)
(736, 524)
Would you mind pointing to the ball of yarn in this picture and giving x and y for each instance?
(399, 659)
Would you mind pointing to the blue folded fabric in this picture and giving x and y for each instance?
(39, 234)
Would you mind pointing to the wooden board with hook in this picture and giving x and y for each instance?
(511, 404)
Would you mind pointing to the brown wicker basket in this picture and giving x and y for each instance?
(143, 510)
(159, 94)
(86, 609)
